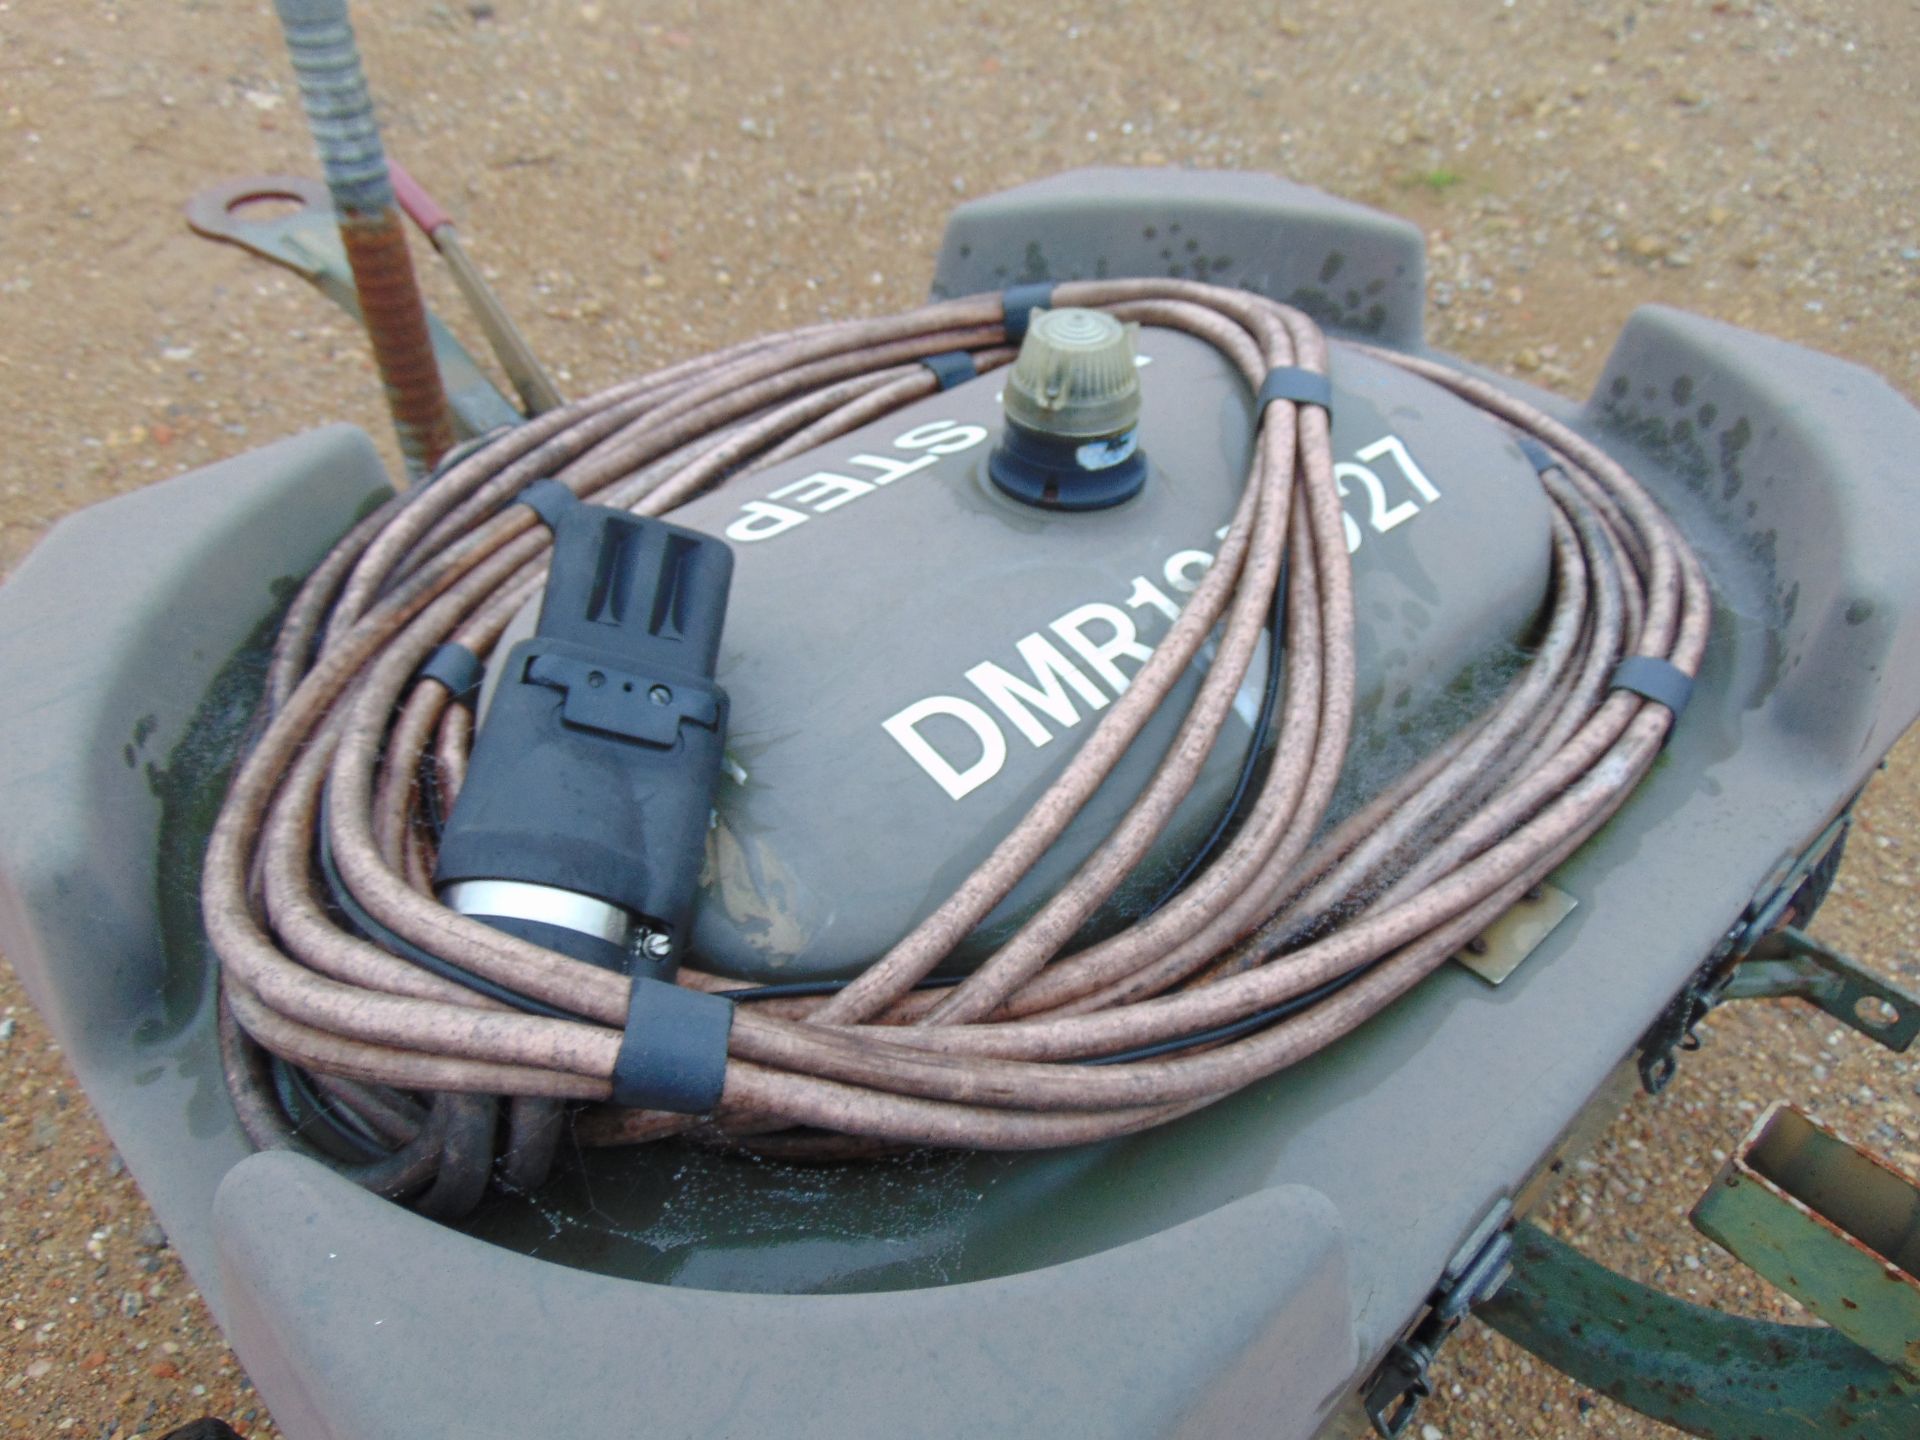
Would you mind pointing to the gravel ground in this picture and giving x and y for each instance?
(647, 181)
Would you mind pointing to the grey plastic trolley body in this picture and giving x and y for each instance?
(1240, 1272)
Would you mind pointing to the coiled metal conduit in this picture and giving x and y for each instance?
(1289, 937)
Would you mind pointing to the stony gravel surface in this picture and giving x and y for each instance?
(649, 180)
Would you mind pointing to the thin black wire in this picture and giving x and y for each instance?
(806, 989)
(1235, 1029)
(1230, 817)
(1256, 752)
(396, 944)
(296, 1095)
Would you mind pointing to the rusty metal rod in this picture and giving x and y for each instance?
(530, 379)
(333, 89)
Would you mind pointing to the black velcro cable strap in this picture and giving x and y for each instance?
(951, 368)
(1660, 681)
(1295, 383)
(1538, 456)
(456, 667)
(548, 499)
(674, 1053)
(1018, 304)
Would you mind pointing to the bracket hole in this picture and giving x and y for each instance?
(265, 206)
(1876, 1013)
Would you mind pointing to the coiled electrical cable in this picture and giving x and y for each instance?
(337, 958)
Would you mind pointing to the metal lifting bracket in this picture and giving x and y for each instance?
(1791, 963)
(1763, 956)
(1477, 1271)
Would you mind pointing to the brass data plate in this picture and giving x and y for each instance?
(1510, 939)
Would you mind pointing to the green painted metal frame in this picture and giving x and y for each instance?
(1705, 1372)
(1791, 963)
(1830, 1224)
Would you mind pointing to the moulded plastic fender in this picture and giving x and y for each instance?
(365, 1322)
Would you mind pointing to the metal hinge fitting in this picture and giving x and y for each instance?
(1477, 1271)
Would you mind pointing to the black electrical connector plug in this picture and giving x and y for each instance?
(583, 818)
